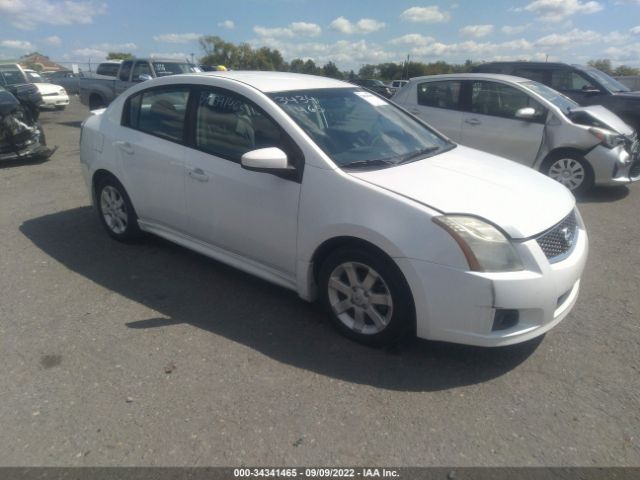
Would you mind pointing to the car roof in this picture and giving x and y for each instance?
(276, 81)
(534, 64)
(474, 76)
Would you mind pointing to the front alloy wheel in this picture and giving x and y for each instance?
(360, 298)
(366, 296)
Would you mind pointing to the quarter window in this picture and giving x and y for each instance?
(439, 94)
(159, 112)
(489, 98)
(229, 126)
(141, 68)
(125, 70)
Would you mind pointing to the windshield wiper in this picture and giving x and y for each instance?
(419, 153)
(368, 163)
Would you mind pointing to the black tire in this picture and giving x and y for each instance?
(401, 320)
(60, 107)
(96, 102)
(550, 164)
(121, 225)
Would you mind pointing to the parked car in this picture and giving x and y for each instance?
(65, 79)
(52, 95)
(583, 84)
(373, 85)
(324, 188)
(529, 123)
(21, 136)
(396, 85)
(97, 93)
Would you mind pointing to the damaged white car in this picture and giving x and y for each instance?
(529, 123)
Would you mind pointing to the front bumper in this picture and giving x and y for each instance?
(55, 100)
(460, 306)
(614, 166)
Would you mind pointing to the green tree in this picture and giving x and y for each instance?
(602, 64)
(330, 70)
(119, 56)
(626, 71)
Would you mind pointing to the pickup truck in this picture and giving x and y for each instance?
(97, 93)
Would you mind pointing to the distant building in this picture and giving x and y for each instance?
(37, 62)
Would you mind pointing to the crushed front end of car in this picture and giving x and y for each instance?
(21, 136)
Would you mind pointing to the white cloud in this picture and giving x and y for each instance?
(177, 37)
(414, 39)
(296, 28)
(476, 31)
(17, 45)
(115, 47)
(568, 39)
(54, 41)
(471, 48)
(93, 54)
(346, 54)
(558, 10)
(228, 24)
(635, 30)
(362, 26)
(431, 14)
(305, 28)
(514, 29)
(27, 14)
(629, 54)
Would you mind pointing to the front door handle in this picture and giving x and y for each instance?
(126, 147)
(473, 121)
(198, 174)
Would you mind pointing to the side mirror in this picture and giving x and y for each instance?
(144, 77)
(268, 160)
(526, 113)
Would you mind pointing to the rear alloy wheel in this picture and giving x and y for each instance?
(116, 212)
(570, 170)
(366, 296)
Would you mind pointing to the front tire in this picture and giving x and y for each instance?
(571, 170)
(115, 210)
(366, 296)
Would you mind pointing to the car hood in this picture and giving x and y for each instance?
(518, 199)
(48, 88)
(607, 117)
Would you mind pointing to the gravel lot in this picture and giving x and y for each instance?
(152, 355)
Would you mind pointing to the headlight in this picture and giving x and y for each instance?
(607, 138)
(484, 246)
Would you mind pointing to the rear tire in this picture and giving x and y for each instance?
(366, 296)
(570, 169)
(115, 210)
(96, 102)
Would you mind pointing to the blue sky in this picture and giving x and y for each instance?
(349, 33)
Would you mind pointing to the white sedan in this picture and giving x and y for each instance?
(329, 190)
(53, 96)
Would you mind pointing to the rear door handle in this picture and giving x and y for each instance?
(198, 174)
(126, 147)
(473, 121)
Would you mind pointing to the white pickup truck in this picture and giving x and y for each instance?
(99, 92)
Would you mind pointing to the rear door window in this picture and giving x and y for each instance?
(159, 112)
(444, 94)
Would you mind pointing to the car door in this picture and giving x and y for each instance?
(437, 103)
(151, 149)
(490, 123)
(248, 213)
(577, 86)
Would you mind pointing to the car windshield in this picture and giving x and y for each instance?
(563, 103)
(11, 77)
(34, 77)
(358, 129)
(606, 81)
(163, 69)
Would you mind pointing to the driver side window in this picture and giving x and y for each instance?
(229, 126)
(499, 100)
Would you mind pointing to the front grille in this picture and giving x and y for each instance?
(560, 239)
